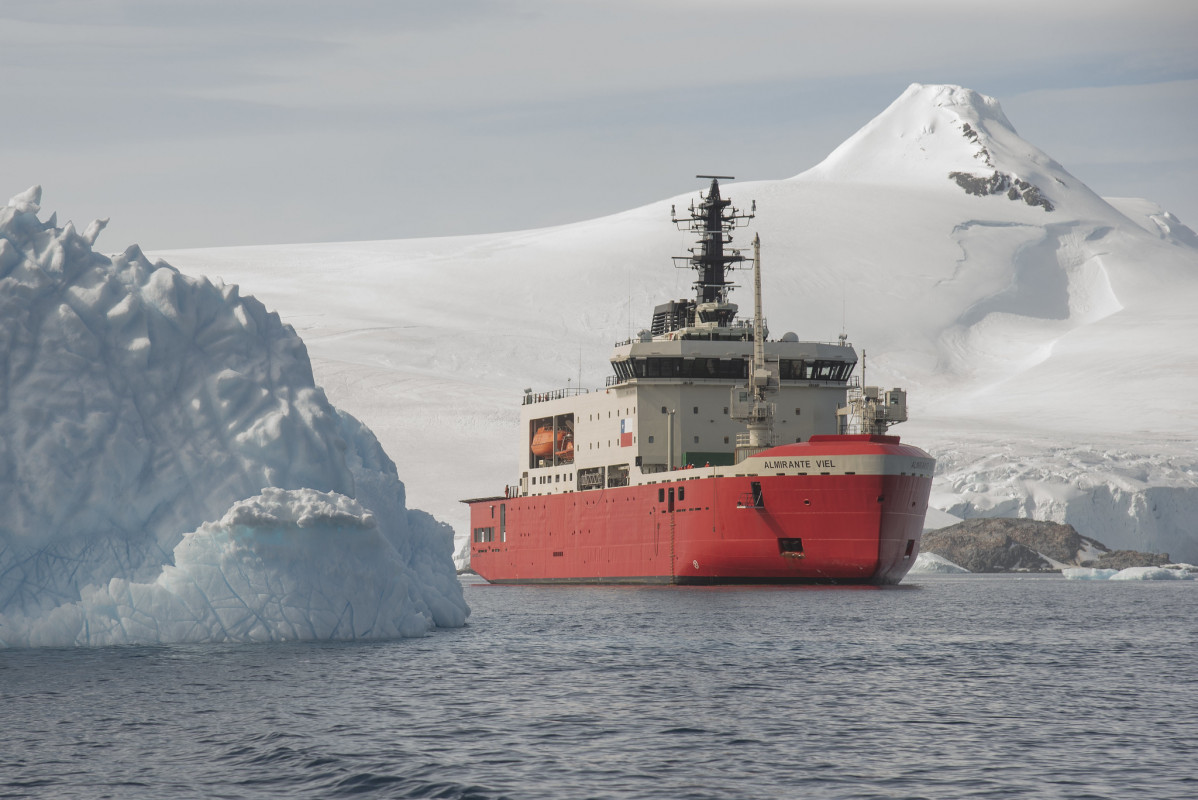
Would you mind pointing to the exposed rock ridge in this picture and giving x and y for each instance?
(1019, 545)
(1015, 188)
(999, 182)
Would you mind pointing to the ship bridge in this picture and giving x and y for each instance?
(728, 361)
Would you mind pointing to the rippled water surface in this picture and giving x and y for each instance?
(951, 687)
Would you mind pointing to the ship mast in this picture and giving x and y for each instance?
(713, 220)
(710, 315)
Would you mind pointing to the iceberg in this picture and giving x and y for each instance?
(169, 471)
(1129, 574)
(1088, 574)
(1152, 574)
(932, 564)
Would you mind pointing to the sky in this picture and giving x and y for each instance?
(201, 123)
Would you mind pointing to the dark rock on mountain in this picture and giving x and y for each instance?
(1008, 545)
(999, 183)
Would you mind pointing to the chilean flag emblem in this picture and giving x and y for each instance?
(626, 432)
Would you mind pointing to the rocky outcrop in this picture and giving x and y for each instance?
(1001, 183)
(1125, 559)
(1145, 500)
(1022, 545)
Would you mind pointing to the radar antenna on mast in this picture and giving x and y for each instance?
(713, 220)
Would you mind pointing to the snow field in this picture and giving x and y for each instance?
(1048, 354)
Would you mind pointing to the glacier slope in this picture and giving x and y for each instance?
(1035, 326)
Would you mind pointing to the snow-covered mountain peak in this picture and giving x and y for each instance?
(952, 139)
(923, 106)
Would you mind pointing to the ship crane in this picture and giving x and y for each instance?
(752, 403)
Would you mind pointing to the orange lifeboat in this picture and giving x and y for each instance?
(542, 443)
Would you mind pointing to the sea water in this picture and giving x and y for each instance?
(944, 687)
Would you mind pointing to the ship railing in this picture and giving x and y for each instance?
(744, 448)
(747, 326)
(556, 394)
(749, 500)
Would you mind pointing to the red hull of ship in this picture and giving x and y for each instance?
(809, 529)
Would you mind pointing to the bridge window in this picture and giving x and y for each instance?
(817, 370)
(701, 368)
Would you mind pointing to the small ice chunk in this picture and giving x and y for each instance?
(1088, 574)
(1129, 574)
(930, 563)
(1151, 574)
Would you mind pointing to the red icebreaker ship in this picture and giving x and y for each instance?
(713, 455)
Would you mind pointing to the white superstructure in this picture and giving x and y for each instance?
(683, 392)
